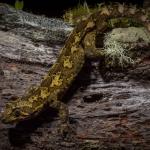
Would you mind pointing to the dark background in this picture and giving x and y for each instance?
(56, 8)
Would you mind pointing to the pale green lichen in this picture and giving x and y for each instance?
(118, 42)
(116, 55)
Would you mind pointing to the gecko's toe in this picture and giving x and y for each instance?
(66, 131)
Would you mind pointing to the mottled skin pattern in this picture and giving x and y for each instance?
(70, 61)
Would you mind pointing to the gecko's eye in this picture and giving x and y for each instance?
(17, 112)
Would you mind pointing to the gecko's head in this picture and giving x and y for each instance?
(15, 111)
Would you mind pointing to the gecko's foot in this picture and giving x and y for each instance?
(66, 130)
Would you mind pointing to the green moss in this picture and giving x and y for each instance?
(19, 4)
(122, 22)
(75, 14)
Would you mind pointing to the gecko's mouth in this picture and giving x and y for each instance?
(7, 120)
(12, 121)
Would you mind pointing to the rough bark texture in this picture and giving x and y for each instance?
(108, 109)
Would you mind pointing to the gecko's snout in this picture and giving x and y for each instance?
(6, 120)
(4, 117)
(1, 113)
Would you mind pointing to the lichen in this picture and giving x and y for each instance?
(115, 53)
(119, 42)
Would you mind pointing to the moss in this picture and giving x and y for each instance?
(122, 22)
(19, 5)
(77, 13)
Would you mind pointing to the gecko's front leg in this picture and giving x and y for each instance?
(63, 113)
(89, 44)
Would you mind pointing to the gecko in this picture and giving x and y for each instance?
(70, 61)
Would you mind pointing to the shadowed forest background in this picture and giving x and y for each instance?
(56, 8)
